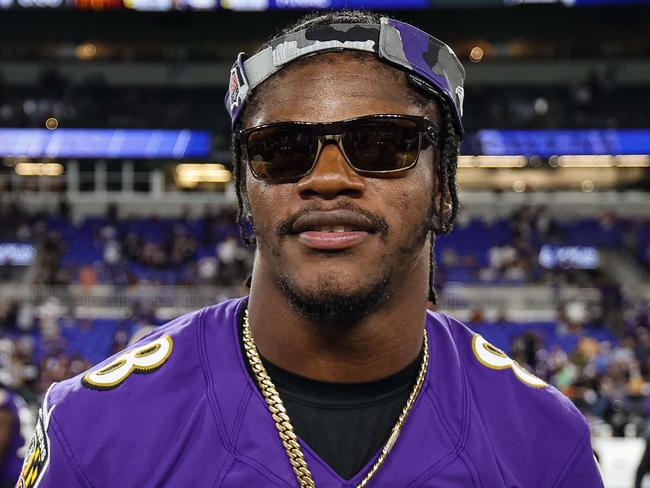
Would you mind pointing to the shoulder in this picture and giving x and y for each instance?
(170, 353)
(515, 408)
(166, 367)
(141, 407)
(153, 360)
(491, 373)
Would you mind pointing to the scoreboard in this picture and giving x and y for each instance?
(262, 5)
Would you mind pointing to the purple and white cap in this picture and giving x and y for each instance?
(431, 64)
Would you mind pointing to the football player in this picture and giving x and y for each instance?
(331, 373)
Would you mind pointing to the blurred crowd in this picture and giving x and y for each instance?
(597, 101)
(35, 347)
(609, 380)
(210, 253)
(509, 251)
(94, 103)
(183, 251)
(206, 249)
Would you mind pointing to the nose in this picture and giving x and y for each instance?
(331, 177)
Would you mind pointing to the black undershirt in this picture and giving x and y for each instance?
(346, 424)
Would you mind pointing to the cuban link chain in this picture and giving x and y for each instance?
(283, 423)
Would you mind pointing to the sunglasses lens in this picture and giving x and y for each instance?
(373, 145)
(382, 144)
(281, 152)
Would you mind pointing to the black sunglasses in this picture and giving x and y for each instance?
(373, 145)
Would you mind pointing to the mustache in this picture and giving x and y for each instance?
(284, 226)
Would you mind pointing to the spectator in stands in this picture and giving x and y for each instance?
(50, 255)
(6, 269)
(525, 347)
(50, 312)
(87, 277)
(233, 260)
(11, 439)
(206, 269)
(183, 247)
(112, 253)
(8, 316)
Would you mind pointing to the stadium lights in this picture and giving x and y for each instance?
(39, 169)
(564, 161)
(604, 161)
(633, 161)
(492, 161)
(51, 123)
(586, 161)
(587, 186)
(191, 174)
(519, 186)
(476, 54)
(85, 51)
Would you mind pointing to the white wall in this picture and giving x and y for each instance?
(619, 460)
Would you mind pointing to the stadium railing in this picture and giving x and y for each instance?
(519, 303)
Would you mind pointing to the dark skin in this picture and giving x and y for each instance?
(332, 87)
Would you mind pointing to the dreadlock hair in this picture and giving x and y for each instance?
(445, 171)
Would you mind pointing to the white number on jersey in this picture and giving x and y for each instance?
(143, 359)
(494, 358)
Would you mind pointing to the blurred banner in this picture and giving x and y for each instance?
(187, 144)
(546, 143)
(17, 253)
(105, 143)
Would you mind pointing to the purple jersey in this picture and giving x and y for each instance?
(179, 409)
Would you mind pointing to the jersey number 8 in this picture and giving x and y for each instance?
(143, 359)
(494, 358)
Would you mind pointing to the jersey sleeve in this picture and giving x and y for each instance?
(583, 471)
(47, 461)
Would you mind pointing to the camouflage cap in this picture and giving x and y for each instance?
(431, 64)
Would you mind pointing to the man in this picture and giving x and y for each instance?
(331, 373)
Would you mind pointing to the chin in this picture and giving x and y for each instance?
(332, 299)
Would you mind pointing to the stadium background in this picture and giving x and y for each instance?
(117, 203)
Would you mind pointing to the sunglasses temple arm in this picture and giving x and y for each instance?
(432, 135)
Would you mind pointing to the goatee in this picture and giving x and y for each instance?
(326, 306)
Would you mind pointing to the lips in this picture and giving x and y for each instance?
(337, 228)
(332, 221)
(332, 230)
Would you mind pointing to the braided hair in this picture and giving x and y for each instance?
(445, 170)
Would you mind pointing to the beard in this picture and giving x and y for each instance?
(329, 303)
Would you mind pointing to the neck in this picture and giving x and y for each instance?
(382, 344)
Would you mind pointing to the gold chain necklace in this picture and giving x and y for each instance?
(283, 423)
